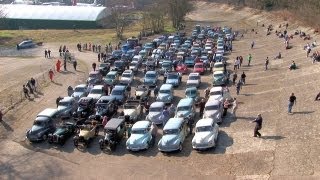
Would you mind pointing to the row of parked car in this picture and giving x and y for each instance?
(89, 102)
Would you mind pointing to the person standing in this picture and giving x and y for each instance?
(99, 56)
(252, 44)
(249, 59)
(239, 87)
(49, 53)
(45, 53)
(235, 65)
(156, 91)
(202, 104)
(60, 51)
(207, 93)
(25, 92)
(234, 106)
(292, 101)
(211, 66)
(75, 63)
(58, 65)
(267, 63)
(234, 78)
(241, 60)
(258, 126)
(190, 122)
(1, 115)
(51, 74)
(30, 87)
(225, 107)
(58, 100)
(94, 66)
(33, 84)
(128, 89)
(243, 77)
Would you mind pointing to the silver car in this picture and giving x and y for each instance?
(155, 113)
(165, 93)
(206, 134)
(143, 134)
(80, 91)
(213, 109)
(66, 107)
(174, 134)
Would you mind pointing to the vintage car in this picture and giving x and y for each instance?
(199, 68)
(26, 44)
(143, 136)
(104, 68)
(131, 110)
(111, 78)
(182, 68)
(190, 61)
(166, 93)
(86, 134)
(97, 92)
(186, 108)
(117, 54)
(174, 134)
(62, 133)
(115, 131)
(151, 78)
(66, 107)
(173, 78)
(219, 58)
(155, 113)
(120, 66)
(106, 106)
(127, 77)
(206, 134)
(80, 91)
(134, 66)
(220, 78)
(120, 93)
(219, 66)
(219, 93)
(213, 109)
(142, 92)
(85, 108)
(42, 125)
(95, 78)
(193, 93)
(166, 66)
(194, 80)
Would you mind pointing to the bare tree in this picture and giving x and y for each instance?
(119, 21)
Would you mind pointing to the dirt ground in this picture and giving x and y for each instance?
(289, 147)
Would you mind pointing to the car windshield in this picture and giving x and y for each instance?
(96, 91)
(198, 66)
(193, 77)
(79, 89)
(102, 106)
(165, 91)
(190, 92)
(110, 76)
(150, 75)
(218, 65)
(138, 131)
(219, 76)
(38, 123)
(212, 107)
(166, 65)
(183, 108)
(64, 103)
(170, 131)
(215, 93)
(155, 109)
(127, 75)
(116, 92)
(129, 106)
(173, 76)
(204, 129)
(118, 63)
(103, 65)
(189, 59)
(133, 64)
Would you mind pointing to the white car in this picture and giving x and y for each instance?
(80, 91)
(206, 134)
(213, 109)
(194, 80)
(127, 77)
(220, 50)
(97, 92)
(218, 93)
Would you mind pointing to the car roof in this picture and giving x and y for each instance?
(127, 72)
(157, 104)
(49, 112)
(199, 63)
(112, 72)
(218, 72)
(98, 87)
(185, 101)
(81, 85)
(218, 63)
(218, 88)
(191, 89)
(141, 125)
(166, 86)
(94, 72)
(106, 98)
(173, 123)
(205, 122)
(114, 123)
(119, 87)
(67, 99)
(212, 102)
(151, 72)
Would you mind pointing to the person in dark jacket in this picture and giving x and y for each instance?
(258, 126)
(58, 100)
(201, 106)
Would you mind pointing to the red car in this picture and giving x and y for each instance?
(199, 68)
(182, 68)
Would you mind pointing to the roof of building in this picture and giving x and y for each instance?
(39, 12)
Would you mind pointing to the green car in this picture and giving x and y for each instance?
(111, 78)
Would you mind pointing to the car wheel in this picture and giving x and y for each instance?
(76, 142)
(180, 147)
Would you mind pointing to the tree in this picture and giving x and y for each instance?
(177, 9)
(119, 21)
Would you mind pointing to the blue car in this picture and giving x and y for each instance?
(151, 78)
(190, 61)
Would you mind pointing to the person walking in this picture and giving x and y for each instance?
(128, 89)
(1, 115)
(252, 44)
(211, 66)
(249, 59)
(65, 64)
(207, 93)
(60, 51)
(190, 122)
(225, 107)
(234, 78)
(156, 91)
(25, 92)
(58, 65)
(99, 56)
(70, 91)
(292, 101)
(33, 84)
(94, 66)
(30, 87)
(235, 65)
(202, 104)
(258, 126)
(75, 63)
(241, 60)
(51, 74)
(45, 53)
(49, 53)
(239, 87)
(243, 78)
(308, 51)
(58, 100)
(234, 106)
(267, 63)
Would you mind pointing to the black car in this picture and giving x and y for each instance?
(106, 106)
(85, 109)
(104, 68)
(62, 133)
(119, 66)
(115, 131)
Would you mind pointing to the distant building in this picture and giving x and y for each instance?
(53, 17)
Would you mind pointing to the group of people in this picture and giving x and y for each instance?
(29, 88)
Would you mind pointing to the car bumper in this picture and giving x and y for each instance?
(34, 138)
(168, 149)
(136, 148)
(202, 146)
